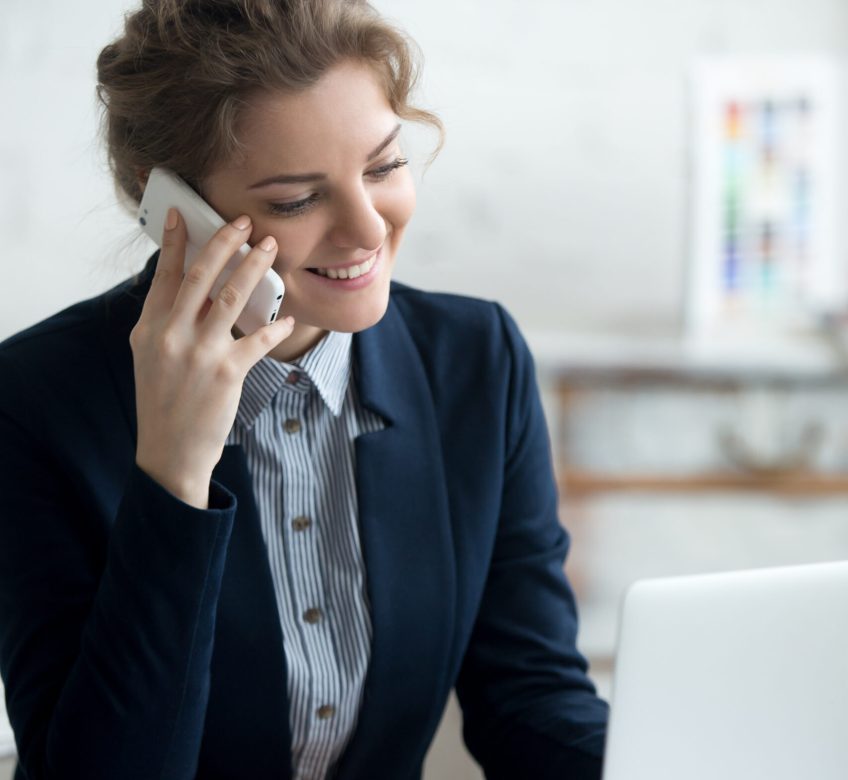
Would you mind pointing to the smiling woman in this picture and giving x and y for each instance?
(273, 555)
(335, 194)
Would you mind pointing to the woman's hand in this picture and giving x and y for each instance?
(189, 369)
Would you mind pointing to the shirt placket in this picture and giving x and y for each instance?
(309, 602)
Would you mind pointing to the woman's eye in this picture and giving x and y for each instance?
(293, 208)
(297, 207)
(386, 170)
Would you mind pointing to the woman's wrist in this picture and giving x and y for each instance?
(193, 491)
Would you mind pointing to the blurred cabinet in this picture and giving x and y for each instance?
(675, 469)
(676, 433)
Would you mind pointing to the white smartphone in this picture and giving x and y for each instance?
(166, 190)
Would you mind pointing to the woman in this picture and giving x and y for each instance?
(274, 554)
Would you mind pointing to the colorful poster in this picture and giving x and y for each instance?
(768, 167)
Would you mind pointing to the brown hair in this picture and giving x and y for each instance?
(173, 85)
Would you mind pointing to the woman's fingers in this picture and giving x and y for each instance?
(249, 350)
(189, 370)
(169, 267)
(233, 296)
(204, 270)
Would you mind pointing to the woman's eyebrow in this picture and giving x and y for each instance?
(384, 143)
(301, 178)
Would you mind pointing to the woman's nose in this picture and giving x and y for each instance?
(358, 222)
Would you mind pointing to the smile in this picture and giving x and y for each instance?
(350, 272)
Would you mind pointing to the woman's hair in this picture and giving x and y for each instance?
(173, 86)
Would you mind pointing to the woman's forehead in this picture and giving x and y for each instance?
(345, 113)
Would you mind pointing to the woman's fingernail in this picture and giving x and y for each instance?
(268, 243)
(242, 223)
(171, 219)
(290, 320)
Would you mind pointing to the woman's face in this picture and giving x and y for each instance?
(323, 173)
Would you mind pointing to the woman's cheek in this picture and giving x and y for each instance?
(294, 242)
(400, 205)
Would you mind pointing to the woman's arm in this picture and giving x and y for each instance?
(107, 622)
(529, 708)
(104, 642)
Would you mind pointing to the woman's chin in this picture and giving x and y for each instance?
(348, 319)
(361, 319)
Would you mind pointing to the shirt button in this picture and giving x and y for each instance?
(301, 523)
(325, 711)
(291, 425)
(312, 615)
(293, 378)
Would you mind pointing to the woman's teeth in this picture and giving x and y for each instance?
(351, 272)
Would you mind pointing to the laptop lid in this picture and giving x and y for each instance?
(736, 676)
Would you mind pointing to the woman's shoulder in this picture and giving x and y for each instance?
(78, 319)
(71, 348)
(453, 319)
(440, 303)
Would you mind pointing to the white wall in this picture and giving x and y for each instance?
(561, 191)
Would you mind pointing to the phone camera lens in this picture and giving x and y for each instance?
(142, 220)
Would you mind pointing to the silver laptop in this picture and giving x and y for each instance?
(734, 676)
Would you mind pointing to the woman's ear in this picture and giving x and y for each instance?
(141, 175)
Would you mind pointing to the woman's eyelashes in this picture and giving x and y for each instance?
(297, 207)
(385, 171)
(293, 208)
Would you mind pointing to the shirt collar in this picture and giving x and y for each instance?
(327, 364)
(326, 367)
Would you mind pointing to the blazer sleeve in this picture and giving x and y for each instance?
(105, 634)
(529, 709)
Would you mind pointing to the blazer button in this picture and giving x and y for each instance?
(312, 615)
(291, 425)
(326, 711)
(301, 523)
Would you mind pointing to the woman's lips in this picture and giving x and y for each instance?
(365, 273)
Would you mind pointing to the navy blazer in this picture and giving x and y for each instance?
(139, 636)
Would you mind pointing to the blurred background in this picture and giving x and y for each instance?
(655, 190)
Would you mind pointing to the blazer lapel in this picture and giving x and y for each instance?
(407, 546)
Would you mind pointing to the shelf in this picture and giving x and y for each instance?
(578, 483)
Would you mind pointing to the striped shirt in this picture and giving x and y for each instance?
(297, 424)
